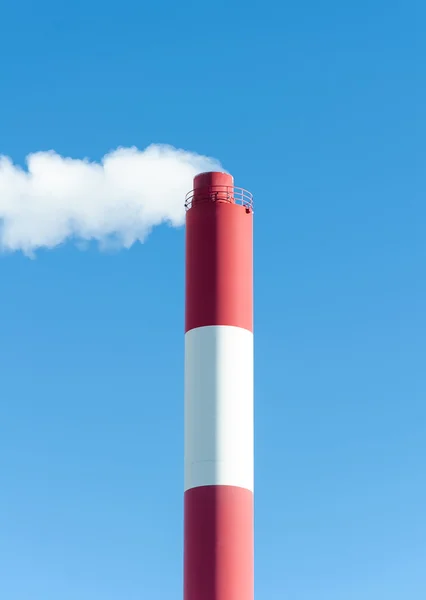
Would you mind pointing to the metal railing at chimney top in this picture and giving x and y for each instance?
(220, 193)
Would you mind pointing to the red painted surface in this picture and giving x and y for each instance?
(212, 178)
(219, 546)
(221, 184)
(219, 264)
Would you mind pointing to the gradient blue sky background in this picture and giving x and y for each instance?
(319, 110)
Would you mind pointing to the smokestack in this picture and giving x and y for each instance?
(218, 506)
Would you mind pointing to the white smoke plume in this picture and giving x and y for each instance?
(119, 200)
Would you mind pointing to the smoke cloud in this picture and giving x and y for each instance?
(114, 202)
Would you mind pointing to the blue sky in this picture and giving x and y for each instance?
(318, 109)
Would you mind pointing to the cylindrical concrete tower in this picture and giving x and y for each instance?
(219, 541)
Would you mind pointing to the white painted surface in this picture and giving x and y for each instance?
(219, 407)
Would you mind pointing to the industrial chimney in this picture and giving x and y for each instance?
(218, 529)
